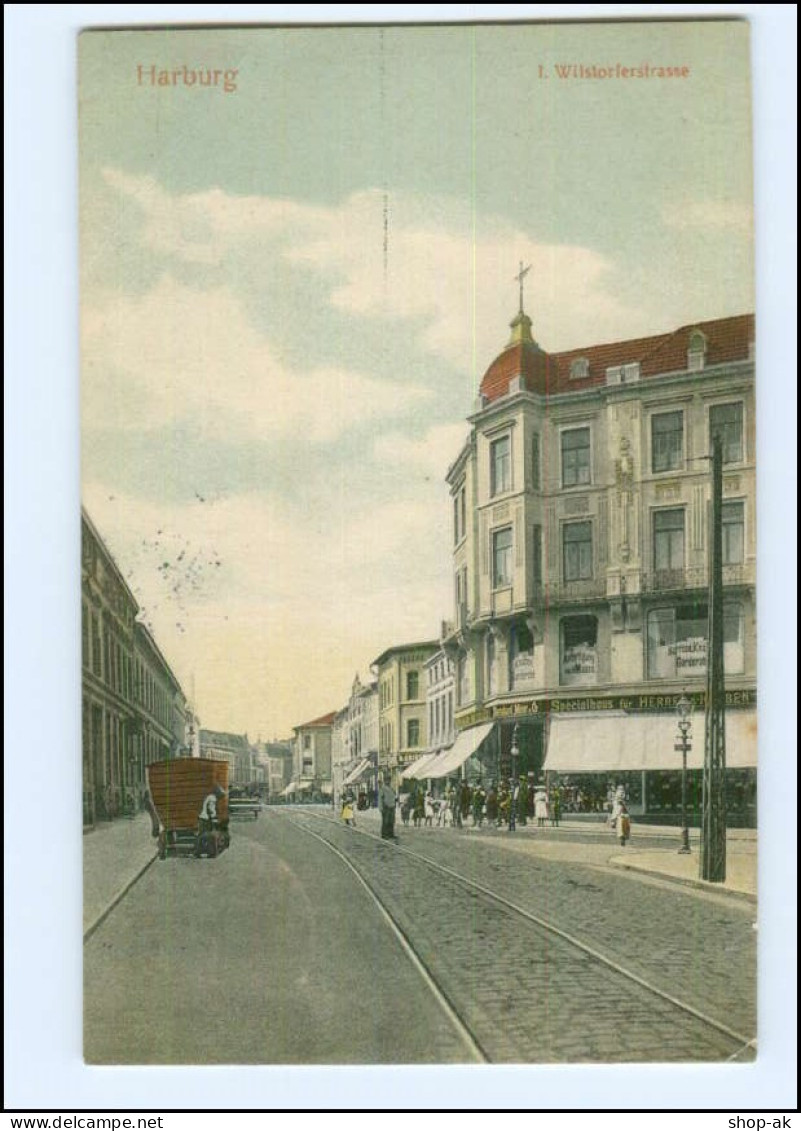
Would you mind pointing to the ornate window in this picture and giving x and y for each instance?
(577, 547)
(502, 557)
(667, 441)
(726, 421)
(575, 457)
(501, 465)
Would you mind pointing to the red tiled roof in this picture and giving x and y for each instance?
(323, 721)
(521, 359)
(728, 339)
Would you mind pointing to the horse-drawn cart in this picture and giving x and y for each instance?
(179, 791)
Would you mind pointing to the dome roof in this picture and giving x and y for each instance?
(522, 358)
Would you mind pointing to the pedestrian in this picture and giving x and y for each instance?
(623, 824)
(386, 804)
(207, 819)
(522, 801)
(406, 808)
(419, 811)
(347, 810)
(617, 803)
(504, 802)
(492, 805)
(453, 807)
(428, 807)
(479, 797)
(530, 791)
(541, 805)
(556, 806)
(464, 800)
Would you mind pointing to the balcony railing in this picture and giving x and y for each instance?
(588, 589)
(673, 580)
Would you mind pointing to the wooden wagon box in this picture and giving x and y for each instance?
(178, 788)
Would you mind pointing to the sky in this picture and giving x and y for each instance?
(290, 292)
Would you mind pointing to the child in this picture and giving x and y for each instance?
(347, 810)
(623, 824)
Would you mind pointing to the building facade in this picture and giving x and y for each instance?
(581, 556)
(133, 709)
(276, 758)
(402, 722)
(440, 700)
(162, 728)
(311, 771)
(222, 746)
(341, 761)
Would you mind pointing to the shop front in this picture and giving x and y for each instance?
(591, 754)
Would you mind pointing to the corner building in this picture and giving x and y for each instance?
(581, 561)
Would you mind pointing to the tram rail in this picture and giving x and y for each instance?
(566, 969)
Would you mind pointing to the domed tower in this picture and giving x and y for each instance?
(496, 638)
(522, 365)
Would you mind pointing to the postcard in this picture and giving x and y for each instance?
(418, 544)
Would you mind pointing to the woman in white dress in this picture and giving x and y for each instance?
(541, 806)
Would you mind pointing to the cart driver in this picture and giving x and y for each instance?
(208, 810)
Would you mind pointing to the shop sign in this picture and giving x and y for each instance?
(523, 669)
(572, 705)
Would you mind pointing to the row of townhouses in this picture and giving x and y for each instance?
(580, 512)
(134, 711)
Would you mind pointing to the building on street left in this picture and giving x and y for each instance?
(133, 709)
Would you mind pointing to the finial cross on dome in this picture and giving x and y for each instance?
(520, 276)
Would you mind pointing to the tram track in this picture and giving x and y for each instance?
(527, 989)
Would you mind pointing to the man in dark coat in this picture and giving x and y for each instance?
(386, 804)
(479, 797)
(522, 801)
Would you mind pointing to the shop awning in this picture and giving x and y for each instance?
(467, 744)
(291, 788)
(603, 743)
(417, 768)
(357, 773)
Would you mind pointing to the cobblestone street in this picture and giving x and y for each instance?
(535, 997)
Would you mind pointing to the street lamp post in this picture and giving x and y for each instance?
(683, 708)
(512, 799)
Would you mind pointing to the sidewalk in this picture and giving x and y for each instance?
(638, 855)
(115, 853)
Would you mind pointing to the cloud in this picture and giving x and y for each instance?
(429, 455)
(179, 353)
(432, 263)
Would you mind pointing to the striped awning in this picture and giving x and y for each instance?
(355, 775)
(417, 768)
(466, 745)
